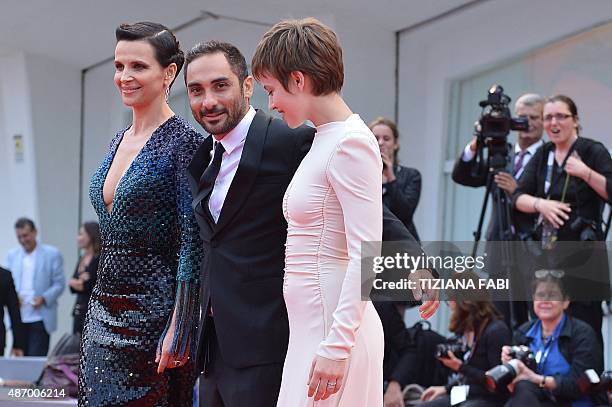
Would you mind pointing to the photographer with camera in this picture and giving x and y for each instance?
(401, 185)
(480, 334)
(508, 165)
(567, 183)
(528, 106)
(560, 349)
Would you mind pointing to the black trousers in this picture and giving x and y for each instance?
(444, 401)
(226, 386)
(530, 394)
(37, 339)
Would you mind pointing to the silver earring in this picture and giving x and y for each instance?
(167, 93)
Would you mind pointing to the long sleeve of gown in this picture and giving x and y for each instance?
(189, 255)
(354, 172)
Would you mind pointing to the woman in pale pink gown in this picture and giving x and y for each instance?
(332, 205)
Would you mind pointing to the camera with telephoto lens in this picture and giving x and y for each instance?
(458, 348)
(502, 375)
(495, 124)
(590, 383)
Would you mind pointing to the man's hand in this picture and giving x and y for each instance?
(432, 302)
(393, 395)
(506, 182)
(38, 302)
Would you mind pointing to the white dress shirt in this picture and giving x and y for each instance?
(233, 143)
(26, 289)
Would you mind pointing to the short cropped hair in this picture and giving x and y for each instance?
(234, 57)
(23, 222)
(305, 45)
(529, 100)
(166, 46)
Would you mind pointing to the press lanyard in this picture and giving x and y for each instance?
(542, 357)
(549, 172)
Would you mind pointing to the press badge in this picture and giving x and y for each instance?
(459, 394)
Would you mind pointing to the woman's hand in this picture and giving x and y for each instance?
(554, 211)
(388, 174)
(76, 284)
(164, 359)
(576, 167)
(433, 392)
(524, 373)
(393, 395)
(325, 377)
(452, 362)
(505, 354)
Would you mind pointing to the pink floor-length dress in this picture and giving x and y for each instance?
(332, 204)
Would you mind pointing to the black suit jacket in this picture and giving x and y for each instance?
(244, 253)
(10, 300)
(462, 174)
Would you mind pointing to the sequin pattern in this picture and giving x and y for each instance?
(149, 266)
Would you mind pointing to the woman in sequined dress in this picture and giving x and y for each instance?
(137, 338)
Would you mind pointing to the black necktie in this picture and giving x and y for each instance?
(207, 180)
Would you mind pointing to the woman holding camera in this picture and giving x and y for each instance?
(564, 347)
(479, 326)
(401, 185)
(567, 183)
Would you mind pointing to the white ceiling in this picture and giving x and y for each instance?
(81, 32)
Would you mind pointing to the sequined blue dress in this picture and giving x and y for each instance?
(149, 266)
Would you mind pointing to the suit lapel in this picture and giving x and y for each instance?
(38, 266)
(196, 167)
(18, 270)
(247, 170)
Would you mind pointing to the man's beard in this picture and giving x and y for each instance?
(234, 115)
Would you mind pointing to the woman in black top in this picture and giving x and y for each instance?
(567, 182)
(479, 326)
(84, 277)
(401, 185)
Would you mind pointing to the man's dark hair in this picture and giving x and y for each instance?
(166, 46)
(232, 54)
(23, 222)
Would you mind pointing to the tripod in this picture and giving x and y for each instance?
(503, 257)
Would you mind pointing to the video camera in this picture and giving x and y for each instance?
(494, 125)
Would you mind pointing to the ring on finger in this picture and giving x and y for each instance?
(331, 385)
(177, 363)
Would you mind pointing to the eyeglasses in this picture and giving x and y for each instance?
(548, 296)
(543, 273)
(559, 116)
